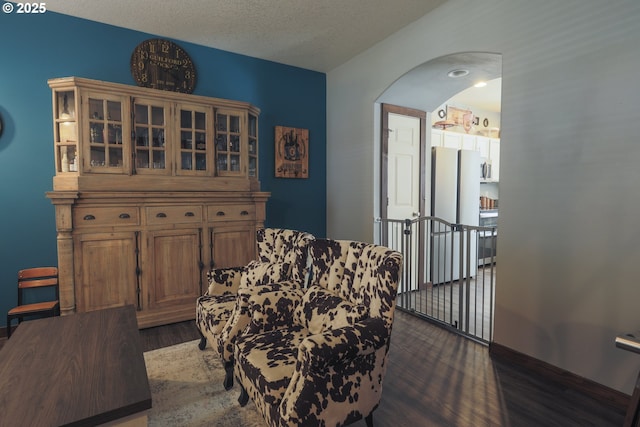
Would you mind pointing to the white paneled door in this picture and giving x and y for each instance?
(403, 182)
(403, 177)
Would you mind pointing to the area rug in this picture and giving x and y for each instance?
(186, 390)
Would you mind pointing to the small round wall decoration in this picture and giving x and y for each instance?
(441, 114)
(485, 122)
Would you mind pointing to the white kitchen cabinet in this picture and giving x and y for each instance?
(489, 148)
(436, 137)
(494, 158)
(482, 145)
(468, 142)
(452, 140)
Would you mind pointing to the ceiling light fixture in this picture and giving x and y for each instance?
(460, 72)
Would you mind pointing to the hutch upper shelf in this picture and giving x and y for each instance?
(106, 132)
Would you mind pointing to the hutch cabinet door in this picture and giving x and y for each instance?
(151, 120)
(252, 150)
(65, 131)
(106, 129)
(229, 147)
(172, 276)
(106, 270)
(194, 140)
(231, 246)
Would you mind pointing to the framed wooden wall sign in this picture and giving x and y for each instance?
(457, 114)
(292, 152)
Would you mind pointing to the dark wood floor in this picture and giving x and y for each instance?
(437, 378)
(442, 303)
(168, 335)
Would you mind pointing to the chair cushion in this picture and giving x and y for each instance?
(322, 309)
(214, 311)
(269, 359)
(262, 273)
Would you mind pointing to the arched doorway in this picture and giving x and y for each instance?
(408, 108)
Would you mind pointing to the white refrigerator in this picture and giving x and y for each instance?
(455, 198)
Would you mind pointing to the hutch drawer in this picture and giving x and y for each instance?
(105, 216)
(231, 213)
(173, 214)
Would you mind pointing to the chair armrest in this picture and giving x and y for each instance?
(224, 281)
(343, 344)
(334, 365)
(241, 316)
(273, 310)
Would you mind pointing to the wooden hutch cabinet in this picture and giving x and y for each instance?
(152, 189)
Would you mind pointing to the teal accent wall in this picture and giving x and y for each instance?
(36, 48)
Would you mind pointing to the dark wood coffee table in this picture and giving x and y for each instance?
(78, 370)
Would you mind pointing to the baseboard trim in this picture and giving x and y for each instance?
(602, 393)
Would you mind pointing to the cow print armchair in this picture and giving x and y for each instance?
(317, 356)
(282, 261)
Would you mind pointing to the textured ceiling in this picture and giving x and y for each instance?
(313, 34)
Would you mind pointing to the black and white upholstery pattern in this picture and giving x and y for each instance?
(317, 356)
(282, 258)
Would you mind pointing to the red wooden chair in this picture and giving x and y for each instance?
(30, 278)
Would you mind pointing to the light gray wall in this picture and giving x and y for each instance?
(569, 257)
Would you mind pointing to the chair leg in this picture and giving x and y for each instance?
(8, 327)
(228, 375)
(369, 420)
(244, 396)
(203, 341)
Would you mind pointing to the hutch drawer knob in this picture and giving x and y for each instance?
(220, 213)
(244, 213)
(189, 214)
(89, 217)
(161, 215)
(124, 216)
